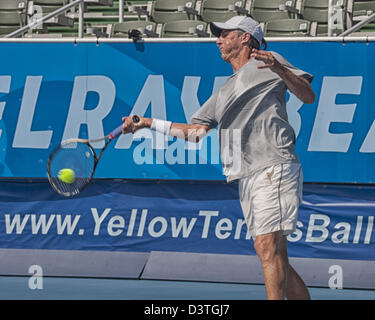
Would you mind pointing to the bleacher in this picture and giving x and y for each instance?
(183, 18)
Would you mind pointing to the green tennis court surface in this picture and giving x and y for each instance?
(17, 288)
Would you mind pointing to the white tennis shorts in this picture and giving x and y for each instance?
(270, 198)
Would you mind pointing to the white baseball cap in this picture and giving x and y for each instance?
(244, 23)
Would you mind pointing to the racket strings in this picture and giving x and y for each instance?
(76, 156)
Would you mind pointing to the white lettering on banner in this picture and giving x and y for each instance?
(39, 225)
(370, 223)
(116, 226)
(341, 236)
(99, 219)
(189, 96)
(152, 95)
(207, 220)
(241, 223)
(223, 225)
(4, 88)
(24, 137)
(15, 223)
(328, 112)
(142, 223)
(297, 234)
(66, 223)
(93, 118)
(318, 230)
(152, 229)
(158, 226)
(132, 222)
(206, 224)
(358, 229)
(368, 145)
(322, 228)
(182, 225)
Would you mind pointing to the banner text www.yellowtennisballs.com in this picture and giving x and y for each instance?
(136, 223)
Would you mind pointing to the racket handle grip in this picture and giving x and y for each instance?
(117, 132)
(135, 119)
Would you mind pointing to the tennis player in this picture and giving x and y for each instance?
(257, 144)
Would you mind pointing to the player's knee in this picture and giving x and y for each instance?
(267, 247)
(265, 250)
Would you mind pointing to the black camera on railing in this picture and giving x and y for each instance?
(135, 34)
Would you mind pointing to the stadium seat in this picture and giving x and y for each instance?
(110, 10)
(317, 11)
(40, 8)
(363, 9)
(171, 10)
(12, 15)
(186, 28)
(145, 28)
(289, 28)
(221, 10)
(97, 16)
(99, 2)
(47, 6)
(266, 10)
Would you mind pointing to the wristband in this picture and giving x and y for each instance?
(162, 126)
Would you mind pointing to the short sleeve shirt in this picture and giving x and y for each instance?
(250, 113)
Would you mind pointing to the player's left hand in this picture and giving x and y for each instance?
(268, 59)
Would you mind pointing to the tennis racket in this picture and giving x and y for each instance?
(79, 157)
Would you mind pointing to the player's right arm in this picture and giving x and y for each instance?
(188, 132)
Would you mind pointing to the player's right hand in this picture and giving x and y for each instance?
(130, 126)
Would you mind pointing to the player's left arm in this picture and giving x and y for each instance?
(296, 84)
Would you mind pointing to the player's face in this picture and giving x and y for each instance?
(229, 43)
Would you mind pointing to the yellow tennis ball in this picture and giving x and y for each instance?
(66, 175)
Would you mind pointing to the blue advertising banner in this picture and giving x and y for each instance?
(54, 91)
(335, 222)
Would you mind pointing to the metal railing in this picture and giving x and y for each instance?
(121, 11)
(358, 26)
(38, 22)
(336, 19)
(81, 5)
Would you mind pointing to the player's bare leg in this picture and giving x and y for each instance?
(275, 269)
(295, 288)
(280, 279)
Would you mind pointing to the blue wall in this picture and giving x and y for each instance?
(54, 91)
(335, 222)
